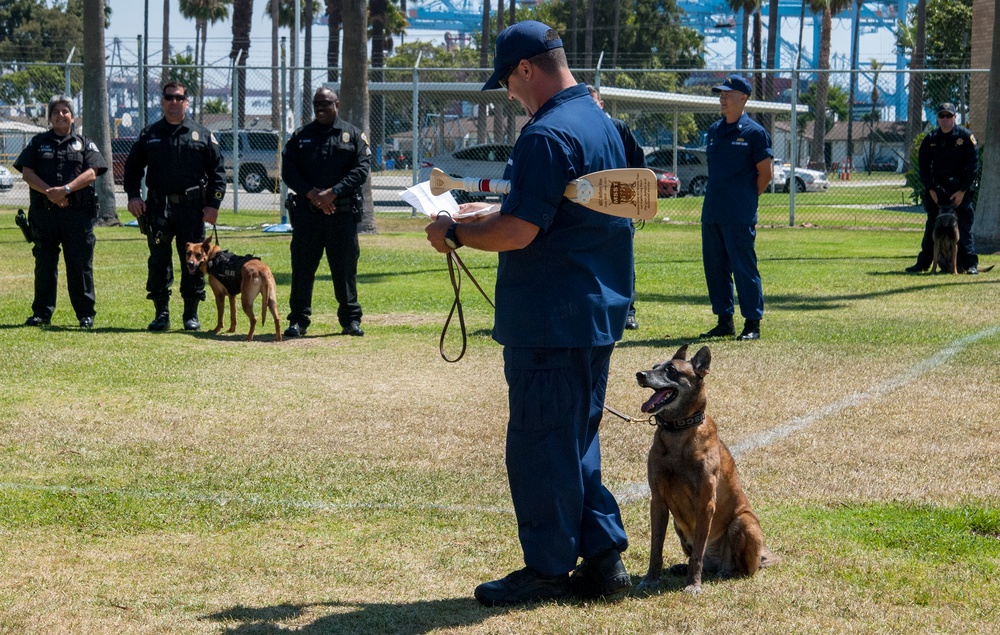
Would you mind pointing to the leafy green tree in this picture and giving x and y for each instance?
(949, 45)
(216, 107)
(34, 31)
(181, 69)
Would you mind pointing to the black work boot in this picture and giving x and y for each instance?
(724, 328)
(162, 320)
(751, 331)
(191, 322)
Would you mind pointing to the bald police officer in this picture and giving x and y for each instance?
(325, 163)
(948, 166)
(59, 166)
(186, 182)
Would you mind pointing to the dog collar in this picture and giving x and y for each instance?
(681, 424)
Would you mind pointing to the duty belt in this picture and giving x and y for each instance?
(189, 195)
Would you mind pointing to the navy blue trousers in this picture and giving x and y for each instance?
(554, 456)
(728, 255)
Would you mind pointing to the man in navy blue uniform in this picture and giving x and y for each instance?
(739, 170)
(186, 182)
(562, 293)
(949, 165)
(634, 158)
(60, 167)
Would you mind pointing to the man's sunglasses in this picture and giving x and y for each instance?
(506, 76)
(945, 115)
(175, 97)
(323, 102)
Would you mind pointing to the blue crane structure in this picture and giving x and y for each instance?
(716, 22)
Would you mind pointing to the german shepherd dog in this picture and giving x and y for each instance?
(251, 278)
(946, 241)
(693, 477)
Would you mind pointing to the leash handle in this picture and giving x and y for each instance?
(456, 306)
(215, 234)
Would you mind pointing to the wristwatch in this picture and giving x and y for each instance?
(68, 191)
(450, 238)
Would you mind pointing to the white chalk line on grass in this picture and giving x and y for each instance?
(629, 493)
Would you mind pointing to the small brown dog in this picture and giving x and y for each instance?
(946, 241)
(693, 476)
(231, 275)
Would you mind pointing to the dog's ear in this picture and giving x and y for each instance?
(207, 243)
(681, 353)
(701, 361)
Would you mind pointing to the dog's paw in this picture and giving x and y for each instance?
(649, 585)
(693, 589)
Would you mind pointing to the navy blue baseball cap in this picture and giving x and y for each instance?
(517, 42)
(734, 82)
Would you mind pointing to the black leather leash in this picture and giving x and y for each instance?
(455, 269)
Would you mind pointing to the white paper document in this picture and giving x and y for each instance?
(420, 197)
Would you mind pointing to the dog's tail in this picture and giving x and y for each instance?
(986, 268)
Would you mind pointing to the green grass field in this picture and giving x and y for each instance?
(192, 483)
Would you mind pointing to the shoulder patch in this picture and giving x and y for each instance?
(364, 138)
(972, 138)
(218, 196)
(212, 138)
(92, 147)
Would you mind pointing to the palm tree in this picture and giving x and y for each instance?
(166, 39)
(204, 13)
(334, 14)
(915, 110)
(95, 103)
(354, 87)
(273, 10)
(828, 8)
(747, 7)
(242, 22)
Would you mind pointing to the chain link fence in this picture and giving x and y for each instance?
(859, 172)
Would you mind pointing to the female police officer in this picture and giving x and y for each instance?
(59, 166)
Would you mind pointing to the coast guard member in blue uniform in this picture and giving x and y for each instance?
(563, 287)
(739, 170)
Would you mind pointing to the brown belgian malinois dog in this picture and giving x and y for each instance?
(231, 275)
(693, 477)
(946, 241)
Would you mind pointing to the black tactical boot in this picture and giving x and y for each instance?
(751, 331)
(162, 320)
(191, 322)
(723, 329)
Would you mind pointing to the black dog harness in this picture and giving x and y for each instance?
(227, 268)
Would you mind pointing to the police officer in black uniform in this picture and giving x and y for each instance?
(60, 167)
(186, 181)
(949, 165)
(325, 163)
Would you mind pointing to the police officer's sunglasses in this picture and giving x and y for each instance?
(945, 115)
(175, 97)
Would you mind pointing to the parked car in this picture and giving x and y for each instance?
(779, 177)
(6, 179)
(667, 184)
(886, 162)
(258, 158)
(120, 148)
(692, 167)
(806, 180)
(481, 161)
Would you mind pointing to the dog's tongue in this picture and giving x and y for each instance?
(657, 397)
